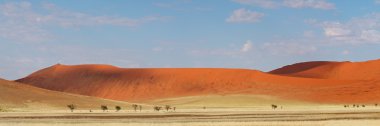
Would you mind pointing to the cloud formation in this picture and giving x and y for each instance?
(247, 46)
(20, 22)
(243, 15)
(315, 4)
(259, 3)
(377, 1)
(357, 30)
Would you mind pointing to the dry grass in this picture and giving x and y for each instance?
(274, 123)
(198, 117)
(29, 106)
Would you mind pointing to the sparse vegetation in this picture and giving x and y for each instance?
(274, 106)
(71, 107)
(167, 107)
(118, 108)
(134, 106)
(354, 106)
(157, 108)
(140, 107)
(104, 108)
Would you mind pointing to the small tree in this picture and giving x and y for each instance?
(104, 107)
(71, 107)
(118, 108)
(376, 105)
(157, 108)
(140, 107)
(134, 106)
(167, 107)
(174, 108)
(274, 106)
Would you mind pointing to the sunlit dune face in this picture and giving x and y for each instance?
(333, 70)
(325, 82)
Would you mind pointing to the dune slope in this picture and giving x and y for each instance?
(157, 83)
(368, 70)
(20, 97)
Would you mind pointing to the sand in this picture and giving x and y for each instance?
(199, 117)
(136, 85)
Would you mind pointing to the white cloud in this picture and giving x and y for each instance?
(315, 4)
(247, 46)
(260, 3)
(335, 29)
(62, 17)
(244, 16)
(377, 1)
(357, 30)
(19, 21)
(181, 5)
(370, 35)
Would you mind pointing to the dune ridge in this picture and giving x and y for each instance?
(367, 70)
(141, 84)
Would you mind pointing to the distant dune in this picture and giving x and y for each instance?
(321, 82)
(20, 97)
(369, 70)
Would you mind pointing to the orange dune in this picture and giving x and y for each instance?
(154, 83)
(369, 70)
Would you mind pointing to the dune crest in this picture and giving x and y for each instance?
(368, 70)
(141, 84)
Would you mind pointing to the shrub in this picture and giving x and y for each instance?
(118, 108)
(157, 108)
(104, 107)
(71, 107)
(134, 106)
(167, 107)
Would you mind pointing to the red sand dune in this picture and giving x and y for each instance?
(153, 83)
(369, 70)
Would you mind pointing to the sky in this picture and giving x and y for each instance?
(249, 34)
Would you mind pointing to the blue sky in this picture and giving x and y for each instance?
(252, 34)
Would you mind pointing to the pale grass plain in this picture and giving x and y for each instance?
(221, 110)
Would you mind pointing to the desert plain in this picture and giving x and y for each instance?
(303, 94)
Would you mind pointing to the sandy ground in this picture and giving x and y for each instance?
(196, 117)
